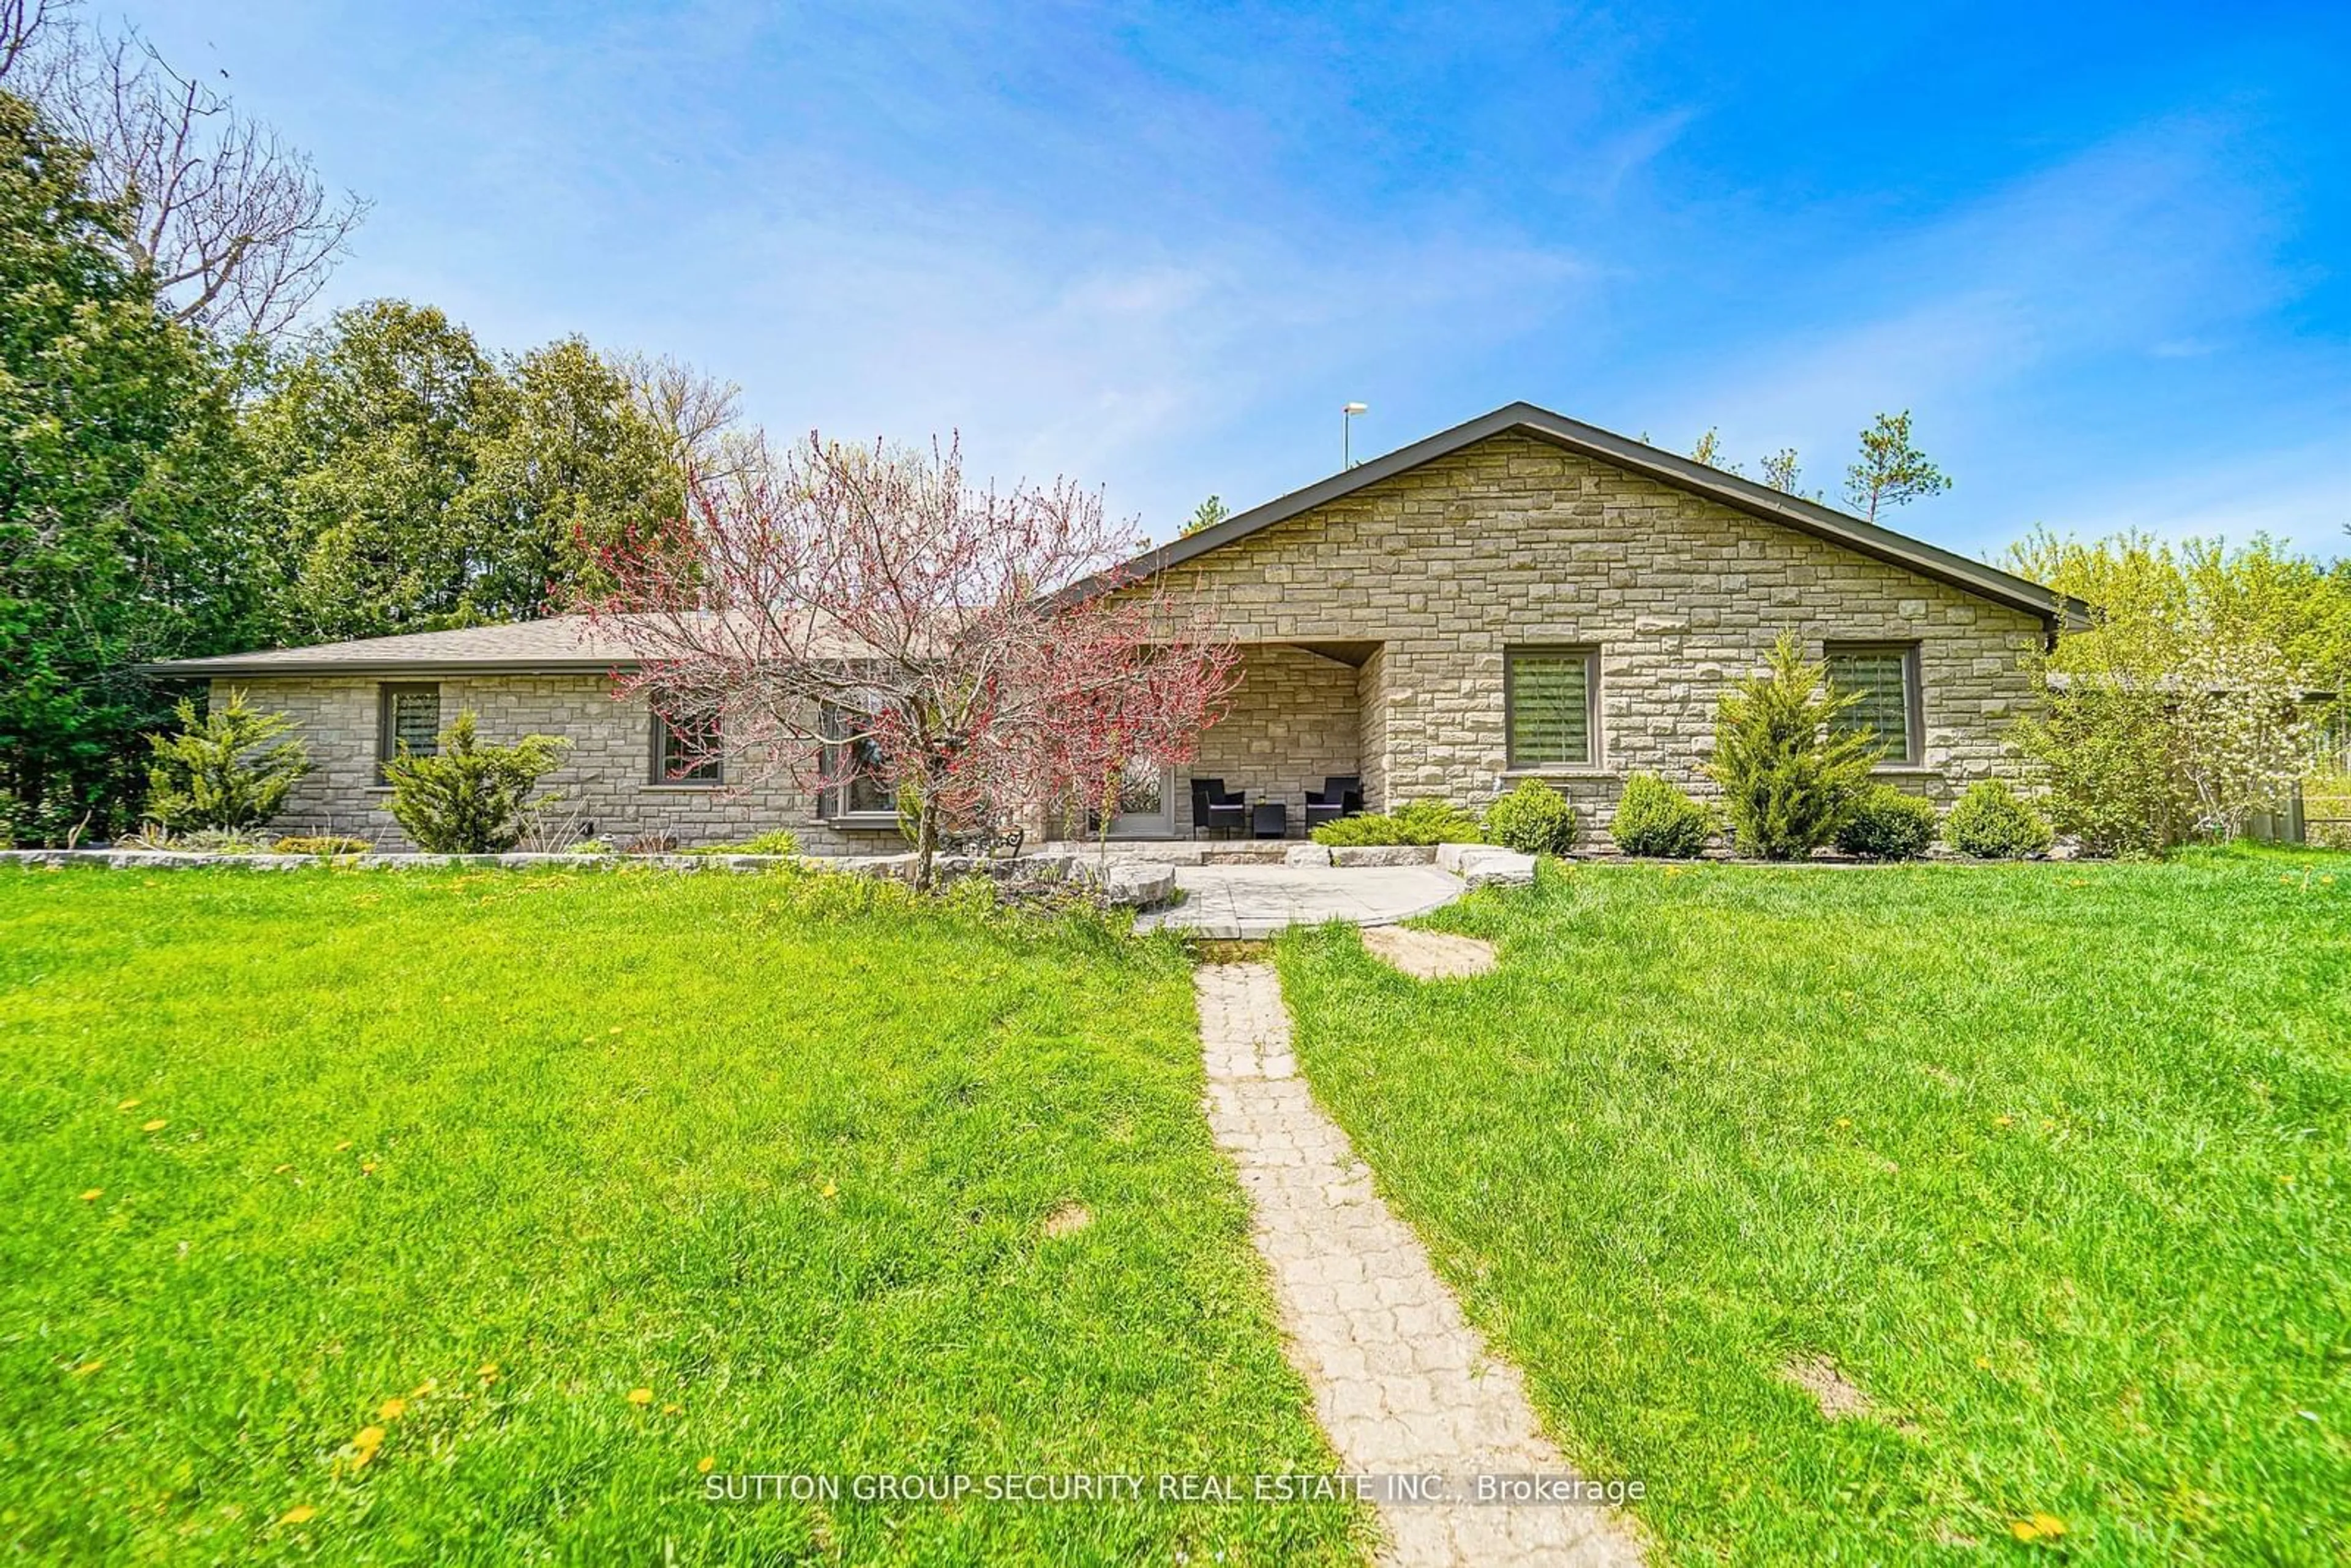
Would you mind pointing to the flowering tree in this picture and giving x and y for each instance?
(2163, 729)
(864, 613)
(2244, 741)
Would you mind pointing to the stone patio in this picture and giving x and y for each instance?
(1237, 902)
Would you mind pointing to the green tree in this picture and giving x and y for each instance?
(368, 438)
(1781, 472)
(123, 536)
(2183, 705)
(571, 460)
(228, 769)
(420, 485)
(1891, 472)
(1709, 451)
(2150, 598)
(469, 799)
(1789, 774)
(1206, 516)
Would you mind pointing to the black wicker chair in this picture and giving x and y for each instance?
(1214, 809)
(1341, 795)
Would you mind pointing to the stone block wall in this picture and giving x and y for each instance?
(1515, 542)
(607, 779)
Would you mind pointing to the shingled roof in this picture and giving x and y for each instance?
(563, 642)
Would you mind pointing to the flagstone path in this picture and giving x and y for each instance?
(1402, 1383)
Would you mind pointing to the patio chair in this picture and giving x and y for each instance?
(1215, 808)
(1341, 795)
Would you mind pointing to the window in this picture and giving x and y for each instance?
(408, 715)
(687, 753)
(865, 796)
(1550, 706)
(1886, 677)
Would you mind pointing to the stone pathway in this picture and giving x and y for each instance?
(1402, 1383)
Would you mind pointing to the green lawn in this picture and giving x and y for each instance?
(275, 1149)
(2054, 1162)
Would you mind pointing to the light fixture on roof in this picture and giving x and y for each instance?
(1347, 433)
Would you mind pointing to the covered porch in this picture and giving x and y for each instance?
(1294, 723)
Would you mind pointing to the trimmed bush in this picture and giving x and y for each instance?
(1533, 819)
(1789, 768)
(1653, 818)
(1888, 825)
(1992, 825)
(1414, 822)
(225, 772)
(469, 799)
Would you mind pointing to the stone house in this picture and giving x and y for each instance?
(1523, 596)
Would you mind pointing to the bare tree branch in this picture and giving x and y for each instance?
(237, 229)
(702, 417)
(29, 35)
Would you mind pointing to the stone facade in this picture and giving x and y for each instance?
(1514, 542)
(607, 780)
(1375, 630)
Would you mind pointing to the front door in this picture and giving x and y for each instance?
(1146, 803)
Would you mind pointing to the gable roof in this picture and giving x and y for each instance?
(1591, 441)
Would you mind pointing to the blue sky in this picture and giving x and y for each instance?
(2103, 251)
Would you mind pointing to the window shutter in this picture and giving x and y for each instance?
(1882, 677)
(416, 720)
(1550, 709)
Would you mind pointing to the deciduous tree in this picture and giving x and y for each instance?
(868, 613)
(420, 484)
(233, 225)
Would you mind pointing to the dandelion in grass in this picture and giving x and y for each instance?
(341, 1146)
(157, 1125)
(673, 1410)
(640, 1397)
(364, 1445)
(93, 1195)
(128, 1105)
(2039, 1527)
(705, 1464)
(392, 1410)
(300, 1513)
(87, 1368)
